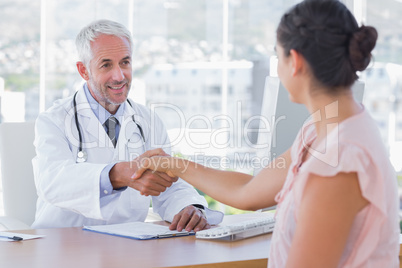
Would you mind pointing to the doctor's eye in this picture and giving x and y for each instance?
(106, 65)
(126, 63)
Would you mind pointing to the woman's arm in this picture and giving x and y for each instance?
(325, 217)
(232, 188)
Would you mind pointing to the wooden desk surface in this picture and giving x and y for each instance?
(74, 247)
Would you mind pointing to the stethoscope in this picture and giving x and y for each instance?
(82, 156)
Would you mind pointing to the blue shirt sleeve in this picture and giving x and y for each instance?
(105, 185)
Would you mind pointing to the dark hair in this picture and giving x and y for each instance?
(328, 36)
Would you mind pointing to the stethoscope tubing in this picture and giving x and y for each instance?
(76, 122)
(81, 155)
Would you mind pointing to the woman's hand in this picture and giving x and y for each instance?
(154, 161)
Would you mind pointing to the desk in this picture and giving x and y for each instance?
(76, 248)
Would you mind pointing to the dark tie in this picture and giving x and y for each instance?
(110, 125)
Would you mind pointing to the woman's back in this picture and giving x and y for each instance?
(354, 146)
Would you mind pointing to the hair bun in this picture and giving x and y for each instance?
(361, 43)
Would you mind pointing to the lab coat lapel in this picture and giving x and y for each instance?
(129, 138)
(90, 123)
(129, 124)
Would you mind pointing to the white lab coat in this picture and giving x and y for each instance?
(69, 192)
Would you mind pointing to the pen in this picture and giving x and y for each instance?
(15, 238)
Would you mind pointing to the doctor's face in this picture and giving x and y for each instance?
(109, 78)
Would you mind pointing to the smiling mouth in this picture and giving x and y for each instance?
(117, 87)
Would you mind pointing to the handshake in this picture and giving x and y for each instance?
(149, 173)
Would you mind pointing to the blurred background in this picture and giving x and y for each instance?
(200, 64)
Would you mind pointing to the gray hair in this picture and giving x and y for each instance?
(89, 33)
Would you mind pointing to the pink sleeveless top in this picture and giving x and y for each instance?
(354, 146)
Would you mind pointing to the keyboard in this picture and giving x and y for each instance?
(240, 230)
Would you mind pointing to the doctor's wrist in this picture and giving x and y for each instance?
(201, 208)
(116, 176)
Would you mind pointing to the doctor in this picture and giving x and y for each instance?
(88, 146)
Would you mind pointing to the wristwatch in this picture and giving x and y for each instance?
(201, 208)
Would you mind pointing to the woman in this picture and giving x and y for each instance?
(337, 195)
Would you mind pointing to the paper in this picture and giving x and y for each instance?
(137, 230)
(4, 235)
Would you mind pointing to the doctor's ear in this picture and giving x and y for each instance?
(82, 70)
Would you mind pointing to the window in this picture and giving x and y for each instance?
(19, 60)
(201, 60)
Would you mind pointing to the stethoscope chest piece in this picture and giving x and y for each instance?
(82, 157)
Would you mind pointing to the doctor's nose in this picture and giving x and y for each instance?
(117, 74)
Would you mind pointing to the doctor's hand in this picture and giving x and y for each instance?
(189, 218)
(152, 183)
(149, 183)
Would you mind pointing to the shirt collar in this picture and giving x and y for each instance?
(101, 113)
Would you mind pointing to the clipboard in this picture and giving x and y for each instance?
(137, 230)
